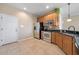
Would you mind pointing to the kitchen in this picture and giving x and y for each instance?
(39, 28)
(65, 33)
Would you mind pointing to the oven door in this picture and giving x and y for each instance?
(47, 36)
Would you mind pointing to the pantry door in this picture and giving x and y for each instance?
(9, 29)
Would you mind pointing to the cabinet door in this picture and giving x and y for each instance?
(41, 19)
(1, 29)
(8, 29)
(53, 37)
(59, 39)
(68, 44)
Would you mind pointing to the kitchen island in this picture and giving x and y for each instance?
(67, 40)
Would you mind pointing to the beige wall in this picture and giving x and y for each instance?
(23, 18)
(74, 22)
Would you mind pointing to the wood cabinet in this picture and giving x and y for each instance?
(55, 18)
(74, 49)
(52, 16)
(65, 42)
(41, 19)
(58, 39)
(53, 38)
(68, 44)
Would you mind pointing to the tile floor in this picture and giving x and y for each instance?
(30, 47)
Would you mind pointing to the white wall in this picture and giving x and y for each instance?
(25, 20)
(74, 22)
(25, 25)
(74, 16)
(61, 19)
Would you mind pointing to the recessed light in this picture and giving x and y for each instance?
(24, 8)
(47, 7)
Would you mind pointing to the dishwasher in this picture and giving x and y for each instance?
(77, 44)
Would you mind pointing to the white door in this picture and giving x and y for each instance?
(9, 29)
(1, 30)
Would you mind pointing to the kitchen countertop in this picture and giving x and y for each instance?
(74, 34)
(58, 30)
(68, 32)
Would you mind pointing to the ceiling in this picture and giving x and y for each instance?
(38, 9)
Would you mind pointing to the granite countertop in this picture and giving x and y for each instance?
(74, 34)
(63, 31)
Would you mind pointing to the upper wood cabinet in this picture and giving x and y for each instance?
(52, 16)
(41, 19)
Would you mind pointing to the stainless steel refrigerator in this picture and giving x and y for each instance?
(38, 27)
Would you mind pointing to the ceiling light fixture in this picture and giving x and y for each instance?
(47, 7)
(69, 20)
(24, 8)
(69, 16)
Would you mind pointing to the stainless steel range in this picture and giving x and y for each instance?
(46, 36)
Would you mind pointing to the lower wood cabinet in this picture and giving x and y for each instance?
(53, 40)
(65, 42)
(68, 44)
(58, 39)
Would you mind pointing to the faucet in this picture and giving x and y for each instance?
(71, 27)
